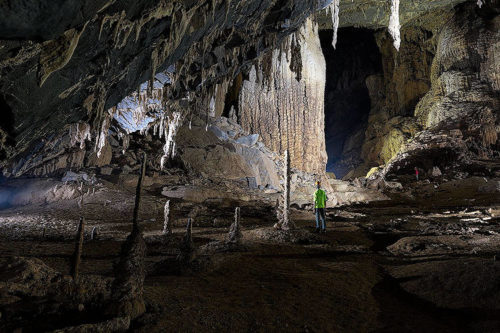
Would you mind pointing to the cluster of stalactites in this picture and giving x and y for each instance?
(394, 26)
(78, 133)
(170, 132)
(100, 141)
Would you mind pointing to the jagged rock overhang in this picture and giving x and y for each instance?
(51, 76)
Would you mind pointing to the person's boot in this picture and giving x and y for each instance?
(323, 231)
(317, 230)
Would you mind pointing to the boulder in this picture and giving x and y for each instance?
(220, 134)
(248, 140)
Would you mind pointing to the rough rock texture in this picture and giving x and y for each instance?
(224, 152)
(30, 291)
(72, 60)
(375, 14)
(119, 324)
(444, 77)
(460, 112)
(128, 287)
(282, 100)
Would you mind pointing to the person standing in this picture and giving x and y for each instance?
(416, 173)
(320, 200)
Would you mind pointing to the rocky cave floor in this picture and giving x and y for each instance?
(426, 264)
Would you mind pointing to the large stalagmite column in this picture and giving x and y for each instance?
(283, 100)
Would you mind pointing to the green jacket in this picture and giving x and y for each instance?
(320, 198)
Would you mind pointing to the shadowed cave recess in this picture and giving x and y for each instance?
(159, 162)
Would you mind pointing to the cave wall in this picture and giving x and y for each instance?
(283, 100)
(459, 116)
(445, 75)
(394, 93)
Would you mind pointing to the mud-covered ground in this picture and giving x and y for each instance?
(421, 265)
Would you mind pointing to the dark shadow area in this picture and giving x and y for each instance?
(347, 102)
(6, 126)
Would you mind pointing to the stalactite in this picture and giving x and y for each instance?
(162, 125)
(211, 107)
(394, 26)
(101, 138)
(125, 143)
(154, 64)
(334, 11)
(78, 133)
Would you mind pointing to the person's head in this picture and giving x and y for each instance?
(318, 184)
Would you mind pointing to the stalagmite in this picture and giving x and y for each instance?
(188, 238)
(186, 247)
(394, 24)
(127, 291)
(138, 192)
(334, 10)
(92, 233)
(78, 249)
(167, 228)
(234, 235)
(80, 202)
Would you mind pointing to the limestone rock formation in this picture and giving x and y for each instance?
(460, 112)
(282, 100)
(443, 77)
(63, 64)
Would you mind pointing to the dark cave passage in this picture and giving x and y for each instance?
(347, 102)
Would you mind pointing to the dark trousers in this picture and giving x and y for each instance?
(320, 214)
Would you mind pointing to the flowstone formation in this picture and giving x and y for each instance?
(283, 97)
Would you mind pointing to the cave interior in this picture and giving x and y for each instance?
(163, 163)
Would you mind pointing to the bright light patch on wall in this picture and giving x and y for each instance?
(134, 115)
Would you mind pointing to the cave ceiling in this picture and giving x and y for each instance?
(374, 14)
(70, 60)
